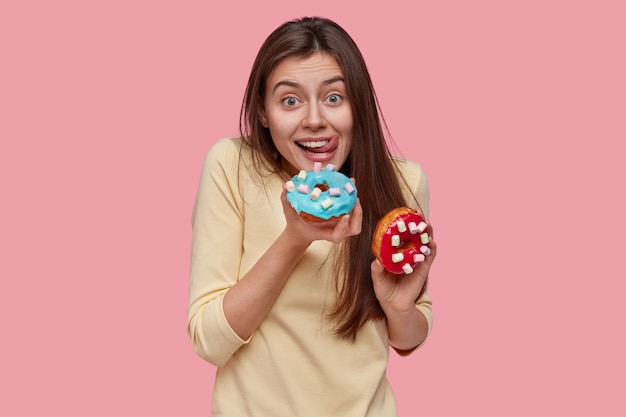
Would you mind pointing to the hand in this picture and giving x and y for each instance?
(335, 230)
(397, 293)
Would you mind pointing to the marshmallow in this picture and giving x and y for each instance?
(327, 203)
(407, 269)
(330, 167)
(401, 226)
(413, 228)
(425, 250)
(397, 257)
(303, 188)
(418, 257)
(421, 227)
(395, 240)
(334, 191)
(424, 238)
(315, 194)
(302, 175)
(349, 187)
(290, 186)
(317, 166)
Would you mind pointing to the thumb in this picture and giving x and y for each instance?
(378, 270)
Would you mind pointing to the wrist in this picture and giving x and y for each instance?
(399, 310)
(294, 240)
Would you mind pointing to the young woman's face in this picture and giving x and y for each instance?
(307, 111)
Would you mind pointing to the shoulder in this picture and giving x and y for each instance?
(226, 155)
(224, 150)
(410, 170)
(415, 184)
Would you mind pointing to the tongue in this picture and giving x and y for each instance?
(326, 148)
(322, 149)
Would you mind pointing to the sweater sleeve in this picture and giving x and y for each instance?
(217, 242)
(420, 194)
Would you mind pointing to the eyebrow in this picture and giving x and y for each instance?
(293, 84)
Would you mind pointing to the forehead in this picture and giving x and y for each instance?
(319, 66)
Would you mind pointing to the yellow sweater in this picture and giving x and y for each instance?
(293, 365)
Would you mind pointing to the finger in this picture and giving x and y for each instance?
(433, 251)
(341, 229)
(356, 219)
(431, 242)
(287, 209)
(283, 195)
(429, 229)
(378, 271)
(422, 270)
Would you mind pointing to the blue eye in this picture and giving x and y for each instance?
(334, 98)
(290, 101)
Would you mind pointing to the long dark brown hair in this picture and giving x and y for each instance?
(369, 161)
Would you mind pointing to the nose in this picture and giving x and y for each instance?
(314, 117)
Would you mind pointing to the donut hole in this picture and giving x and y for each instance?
(323, 186)
(406, 245)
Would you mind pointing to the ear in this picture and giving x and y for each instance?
(262, 116)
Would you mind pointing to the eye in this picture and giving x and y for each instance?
(290, 101)
(334, 98)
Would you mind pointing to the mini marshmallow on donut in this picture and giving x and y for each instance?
(400, 240)
(321, 194)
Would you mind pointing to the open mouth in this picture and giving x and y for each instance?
(319, 146)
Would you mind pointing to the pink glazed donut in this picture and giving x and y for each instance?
(400, 240)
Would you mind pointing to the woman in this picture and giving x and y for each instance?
(299, 317)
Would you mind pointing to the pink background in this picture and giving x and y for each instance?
(515, 109)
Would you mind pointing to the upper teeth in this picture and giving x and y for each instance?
(314, 143)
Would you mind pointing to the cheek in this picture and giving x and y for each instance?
(345, 119)
(281, 131)
(347, 126)
(282, 124)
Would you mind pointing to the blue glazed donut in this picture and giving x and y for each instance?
(321, 194)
